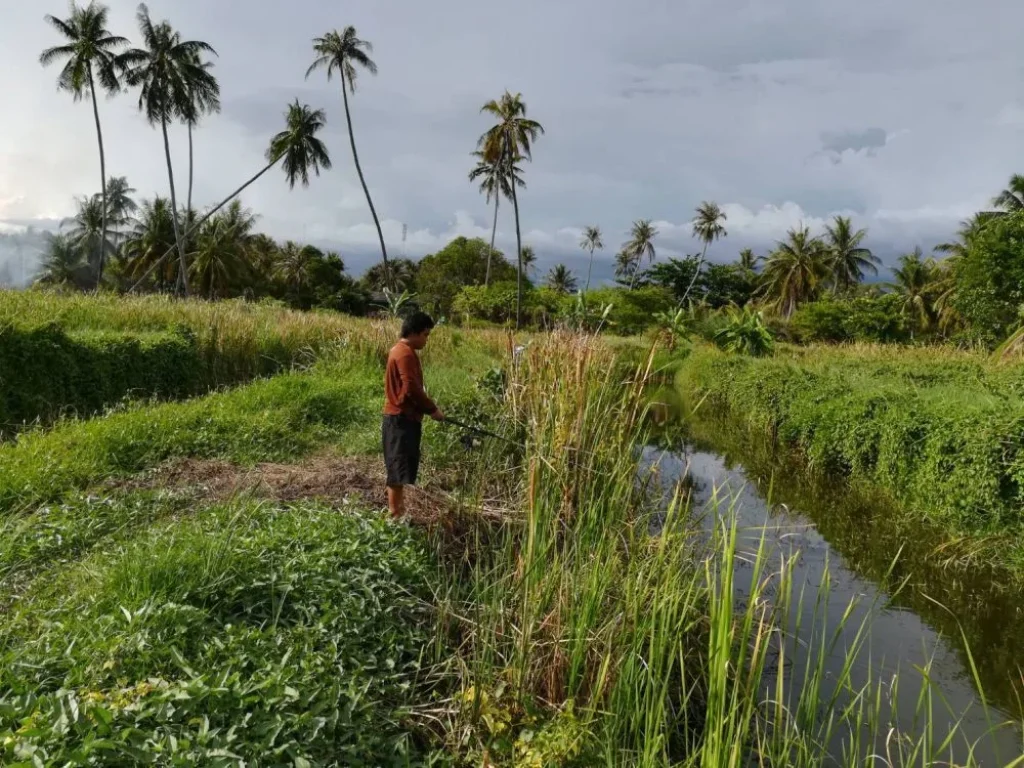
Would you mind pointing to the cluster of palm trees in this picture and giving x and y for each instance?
(175, 84)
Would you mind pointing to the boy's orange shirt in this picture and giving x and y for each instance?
(403, 385)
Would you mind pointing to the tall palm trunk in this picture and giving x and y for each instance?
(103, 180)
(388, 278)
(590, 269)
(494, 231)
(202, 220)
(519, 251)
(179, 242)
(188, 204)
(696, 272)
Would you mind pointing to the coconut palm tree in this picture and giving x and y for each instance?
(62, 264)
(343, 52)
(202, 101)
(91, 54)
(297, 146)
(915, 283)
(708, 227)
(561, 280)
(121, 206)
(529, 259)
(295, 265)
(848, 260)
(795, 272)
(1011, 199)
(591, 241)
(496, 179)
(508, 141)
(626, 266)
(169, 73)
(220, 258)
(640, 244)
(748, 261)
(149, 243)
(403, 273)
(86, 230)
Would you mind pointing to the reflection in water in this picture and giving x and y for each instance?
(915, 602)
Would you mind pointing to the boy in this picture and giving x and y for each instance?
(405, 405)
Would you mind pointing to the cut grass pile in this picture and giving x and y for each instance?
(941, 432)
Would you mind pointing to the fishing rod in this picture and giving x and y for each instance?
(483, 432)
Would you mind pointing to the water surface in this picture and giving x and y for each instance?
(915, 603)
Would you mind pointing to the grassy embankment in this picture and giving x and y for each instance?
(548, 627)
(68, 355)
(938, 430)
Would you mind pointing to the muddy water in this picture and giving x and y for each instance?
(914, 602)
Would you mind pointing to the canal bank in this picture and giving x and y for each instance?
(866, 576)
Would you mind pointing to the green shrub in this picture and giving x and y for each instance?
(945, 435)
(46, 373)
(745, 333)
(872, 319)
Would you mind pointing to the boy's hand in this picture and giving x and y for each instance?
(437, 415)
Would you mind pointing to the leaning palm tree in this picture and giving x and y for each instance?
(202, 100)
(848, 260)
(708, 227)
(344, 52)
(86, 231)
(591, 241)
(508, 141)
(91, 55)
(169, 72)
(561, 280)
(297, 146)
(640, 244)
(62, 264)
(795, 272)
(1011, 199)
(496, 179)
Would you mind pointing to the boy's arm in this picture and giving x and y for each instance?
(412, 383)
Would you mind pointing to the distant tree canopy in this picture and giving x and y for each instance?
(989, 276)
(718, 285)
(461, 263)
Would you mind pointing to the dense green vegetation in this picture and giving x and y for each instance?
(940, 431)
(542, 626)
(72, 355)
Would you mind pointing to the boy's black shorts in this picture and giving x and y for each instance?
(401, 449)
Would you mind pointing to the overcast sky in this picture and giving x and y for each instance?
(907, 115)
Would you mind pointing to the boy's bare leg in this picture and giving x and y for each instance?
(396, 501)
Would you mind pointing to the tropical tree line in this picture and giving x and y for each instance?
(175, 84)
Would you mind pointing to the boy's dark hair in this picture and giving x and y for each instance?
(416, 323)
